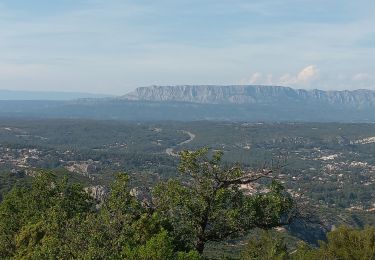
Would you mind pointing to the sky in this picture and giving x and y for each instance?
(115, 46)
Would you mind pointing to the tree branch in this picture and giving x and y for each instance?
(245, 178)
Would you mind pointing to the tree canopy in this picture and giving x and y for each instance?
(343, 243)
(209, 205)
(53, 218)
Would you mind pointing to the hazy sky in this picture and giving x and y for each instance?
(113, 46)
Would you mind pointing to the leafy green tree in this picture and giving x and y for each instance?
(343, 243)
(268, 246)
(157, 247)
(33, 220)
(124, 229)
(56, 220)
(208, 204)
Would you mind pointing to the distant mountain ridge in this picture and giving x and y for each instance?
(215, 103)
(45, 95)
(252, 94)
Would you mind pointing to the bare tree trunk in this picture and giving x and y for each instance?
(200, 245)
(202, 236)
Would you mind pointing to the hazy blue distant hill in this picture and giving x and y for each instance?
(42, 95)
(217, 103)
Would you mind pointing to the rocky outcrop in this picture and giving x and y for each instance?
(85, 168)
(98, 193)
(143, 195)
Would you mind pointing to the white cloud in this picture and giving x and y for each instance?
(311, 77)
(305, 78)
(256, 78)
(361, 77)
(308, 75)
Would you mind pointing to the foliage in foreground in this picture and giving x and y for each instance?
(265, 246)
(343, 243)
(53, 219)
(210, 206)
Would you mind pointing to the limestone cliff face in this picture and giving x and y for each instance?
(251, 94)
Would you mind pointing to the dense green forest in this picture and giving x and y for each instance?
(337, 158)
(51, 218)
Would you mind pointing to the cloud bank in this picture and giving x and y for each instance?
(312, 77)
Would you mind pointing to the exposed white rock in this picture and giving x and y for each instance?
(329, 157)
(358, 164)
(83, 167)
(368, 140)
(98, 192)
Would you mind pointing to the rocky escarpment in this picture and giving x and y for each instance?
(252, 94)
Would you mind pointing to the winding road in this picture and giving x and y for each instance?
(170, 151)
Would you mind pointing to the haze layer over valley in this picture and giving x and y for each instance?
(223, 103)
